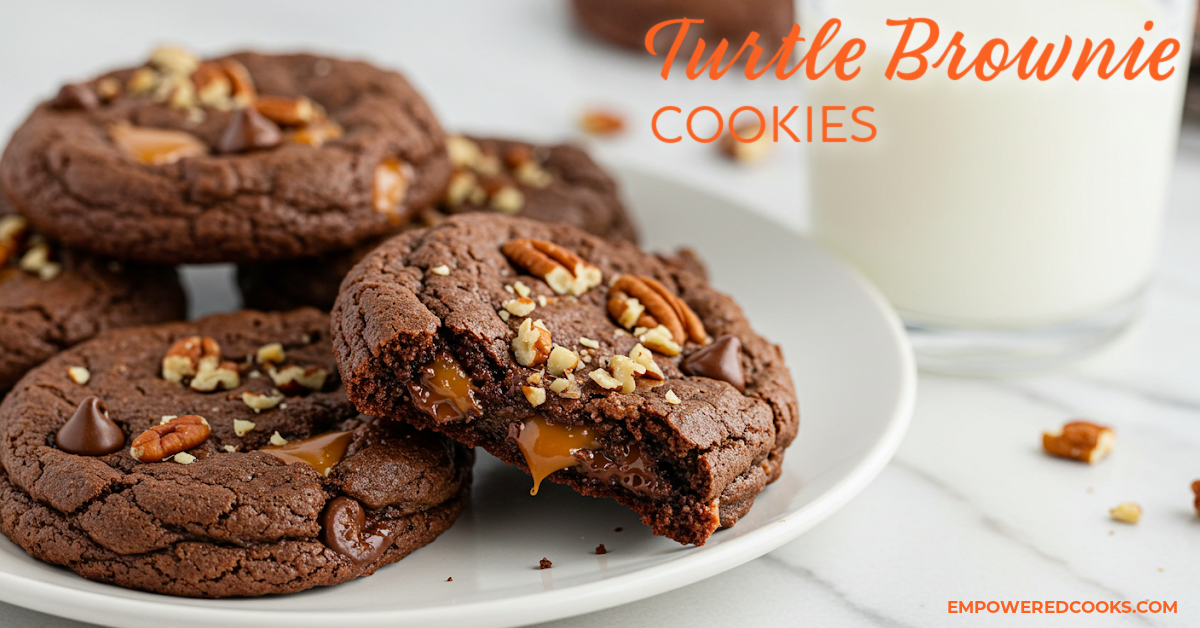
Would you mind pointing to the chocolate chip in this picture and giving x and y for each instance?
(344, 529)
(248, 129)
(90, 432)
(721, 360)
(73, 96)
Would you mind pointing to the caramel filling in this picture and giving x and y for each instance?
(445, 391)
(549, 447)
(321, 452)
(630, 471)
(156, 146)
(390, 186)
(316, 133)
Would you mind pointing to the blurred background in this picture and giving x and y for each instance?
(506, 68)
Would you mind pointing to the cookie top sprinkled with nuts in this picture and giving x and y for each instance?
(538, 322)
(55, 297)
(554, 183)
(209, 438)
(241, 158)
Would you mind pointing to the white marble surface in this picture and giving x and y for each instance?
(969, 510)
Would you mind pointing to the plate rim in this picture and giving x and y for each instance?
(554, 604)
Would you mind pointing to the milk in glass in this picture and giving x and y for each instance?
(1001, 204)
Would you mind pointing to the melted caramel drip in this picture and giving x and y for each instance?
(445, 391)
(549, 447)
(157, 146)
(321, 452)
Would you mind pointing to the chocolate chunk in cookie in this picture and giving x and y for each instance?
(210, 491)
(556, 183)
(561, 353)
(242, 158)
(53, 297)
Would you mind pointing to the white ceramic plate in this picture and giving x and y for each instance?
(854, 373)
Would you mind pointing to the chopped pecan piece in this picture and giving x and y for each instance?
(531, 346)
(1127, 512)
(1080, 440)
(562, 361)
(536, 395)
(297, 380)
(258, 401)
(209, 378)
(601, 122)
(185, 357)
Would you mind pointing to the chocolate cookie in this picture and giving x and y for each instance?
(626, 23)
(589, 362)
(557, 183)
(244, 158)
(53, 297)
(267, 480)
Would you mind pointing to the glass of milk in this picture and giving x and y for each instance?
(1013, 224)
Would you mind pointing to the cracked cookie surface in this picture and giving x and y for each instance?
(217, 188)
(41, 315)
(553, 183)
(687, 452)
(224, 518)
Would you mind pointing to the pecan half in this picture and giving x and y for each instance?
(241, 85)
(1079, 440)
(185, 357)
(662, 307)
(563, 270)
(163, 441)
(286, 111)
(212, 83)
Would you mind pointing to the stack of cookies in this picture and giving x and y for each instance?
(416, 295)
